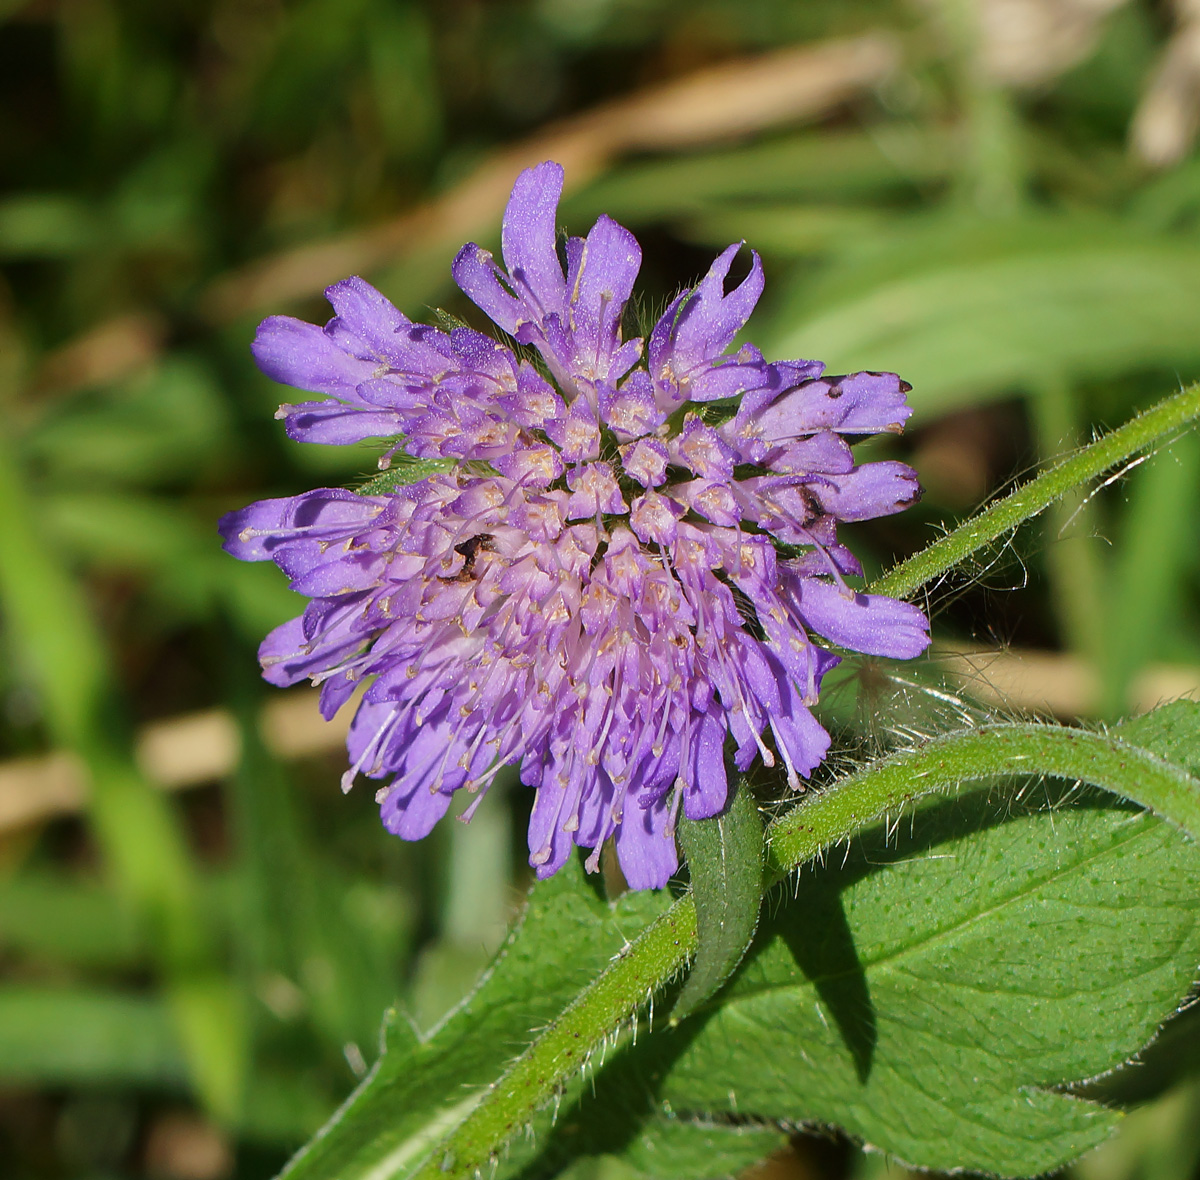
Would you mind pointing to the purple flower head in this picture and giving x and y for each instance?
(614, 581)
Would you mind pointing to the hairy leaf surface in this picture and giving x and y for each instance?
(929, 995)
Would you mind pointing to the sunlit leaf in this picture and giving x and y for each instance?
(931, 992)
(969, 311)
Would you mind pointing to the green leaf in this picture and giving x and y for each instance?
(68, 1037)
(1158, 537)
(123, 530)
(969, 311)
(1172, 732)
(1158, 1141)
(697, 1149)
(54, 918)
(404, 469)
(171, 547)
(169, 424)
(1075, 567)
(810, 165)
(930, 991)
(725, 859)
(134, 826)
(47, 225)
(296, 913)
(402, 60)
(423, 1087)
(617, 1142)
(944, 764)
(461, 1145)
(283, 1108)
(437, 1107)
(785, 229)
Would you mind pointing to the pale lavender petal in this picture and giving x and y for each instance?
(707, 786)
(800, 736)
(823, 451)
(550, 831)
(474, 270)
(287, 657)
(411, 812)
(371, 317)
(528, 237)
(712, 499)
(257, 532)
(337, 424)
(706, 323)
(726, 377)
(868, 623)
(661, 345)
(646, 461)
(302, 355)
(497, 612)
(624, 358)
(248, 531)
(700, 448)
(646, 846)
(607, 269)
(861, 403)
(346, 575)
(630, 411)
(577, 433)
(874, 489)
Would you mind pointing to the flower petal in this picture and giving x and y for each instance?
(646, 846)
(608, 267)
(529, 237)
(870, 623)
(303, 355)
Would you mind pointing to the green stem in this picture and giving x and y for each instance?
(1148, 428)
(650, 961)
(990, 751)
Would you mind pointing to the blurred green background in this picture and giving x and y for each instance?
(996, 198)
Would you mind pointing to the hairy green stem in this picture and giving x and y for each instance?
(1148, 428)
(990, 751)
(658, 953)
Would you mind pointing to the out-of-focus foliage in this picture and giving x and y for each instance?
(975, 219)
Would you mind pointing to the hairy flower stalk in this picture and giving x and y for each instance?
(615, 575)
